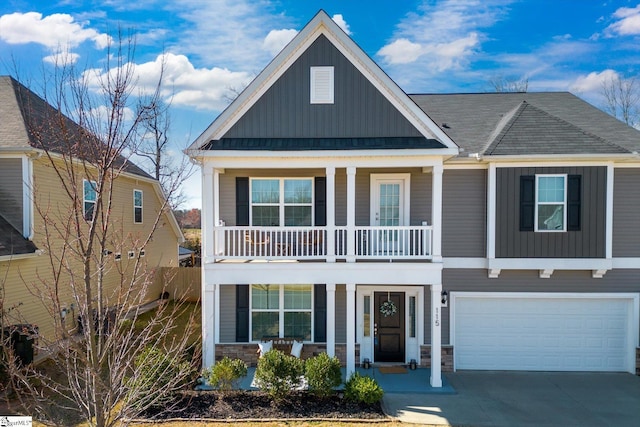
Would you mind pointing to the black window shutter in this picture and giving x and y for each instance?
(242, 200)
(320, 201)
(242, 313)
(574, 195)
(527, 202)
(320, 313)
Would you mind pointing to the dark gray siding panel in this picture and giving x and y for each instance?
(476, 280)
(589, 242)
(464, 213)
(227, 313)
(341, 314)
(11, 191)
(626, 213)
(359, 110)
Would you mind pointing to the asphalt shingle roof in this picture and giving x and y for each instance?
(547, 123)
(12, 242)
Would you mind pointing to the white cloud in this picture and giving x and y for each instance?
(401, 51)
(276, 40)
(593, 81)
(440, 36)
(627, 22)
(184, 84)
(338, 19)
(53, 31)
(62, 58)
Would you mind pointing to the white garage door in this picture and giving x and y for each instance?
(537, 333)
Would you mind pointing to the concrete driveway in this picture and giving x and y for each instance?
(525, 399)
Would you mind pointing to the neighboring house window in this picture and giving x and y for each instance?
(275, 202)
(137, 206)
(281, 311)
(89, 199)
(322, 85)
(551, 202)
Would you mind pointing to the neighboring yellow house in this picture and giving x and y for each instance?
(30, 190)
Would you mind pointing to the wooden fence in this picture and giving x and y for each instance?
(181, 282)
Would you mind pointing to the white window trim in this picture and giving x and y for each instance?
(281, 310)
(141, 206)
(85, 201)
(281, 204)
(564, 203)
(317, 97)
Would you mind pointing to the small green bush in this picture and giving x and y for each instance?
(323, 374)
(157, 376)
(278, 373)
(362, 389)
(225, 374)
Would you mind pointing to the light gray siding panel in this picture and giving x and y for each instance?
(626, 213)
(227, 313)
(11, 186)
(359, 110)
(476, 280)
(588, 242)
(464, 213)
(341, 197)
(341, 314)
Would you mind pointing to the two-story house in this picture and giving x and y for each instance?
(470, 231)
(33, 205)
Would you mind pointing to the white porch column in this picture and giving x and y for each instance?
(331, 215)
(331, 319)
(351, 328)
(207, 214)
(436, 213)
(436, 337)
(491, 212)
(609, 212)
(351, 214)
(209, 325)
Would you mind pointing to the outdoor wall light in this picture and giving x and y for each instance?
(366, 363)
(413, 364)
(445, 297)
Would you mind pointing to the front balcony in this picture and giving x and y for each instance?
(408, 243)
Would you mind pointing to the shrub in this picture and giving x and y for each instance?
(157, 375)
(225, 374)
(278, 373)
(323, 374)
(362, 389)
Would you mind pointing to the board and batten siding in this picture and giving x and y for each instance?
(626, 213)
(227, 313)
(285, 111)
(476, 280)
(11, 191)
(588, 242)
(464, 213)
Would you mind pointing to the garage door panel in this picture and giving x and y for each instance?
(557, 334)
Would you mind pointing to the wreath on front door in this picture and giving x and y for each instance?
(388, 308)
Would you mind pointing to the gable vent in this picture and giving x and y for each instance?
(322, 85)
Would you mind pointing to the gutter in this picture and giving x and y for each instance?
(37, 253)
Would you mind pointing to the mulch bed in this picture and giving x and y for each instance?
(240, 405)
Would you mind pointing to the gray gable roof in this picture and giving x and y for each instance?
(547, 123)
(28, 121)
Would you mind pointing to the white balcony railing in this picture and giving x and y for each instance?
(312, 243)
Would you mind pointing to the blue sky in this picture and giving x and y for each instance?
(213, 47)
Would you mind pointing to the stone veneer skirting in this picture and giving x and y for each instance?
(248, 352)
(446, 355)
(638, 361)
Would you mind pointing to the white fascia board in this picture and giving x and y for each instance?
(295, 161)
(8, 258)
(554, 159)
(322, 24)
(465, 166)
(550, 263)
(632, 263)
(626, 165)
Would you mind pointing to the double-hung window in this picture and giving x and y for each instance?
(89, 199)
(551, 203)
(281, 311)
(137, 206)
(281, 201)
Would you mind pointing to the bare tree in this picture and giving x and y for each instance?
(500, 83)
(622, 97)
(111, 367)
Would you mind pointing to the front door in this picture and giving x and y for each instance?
(388, 327)
(389, 208)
